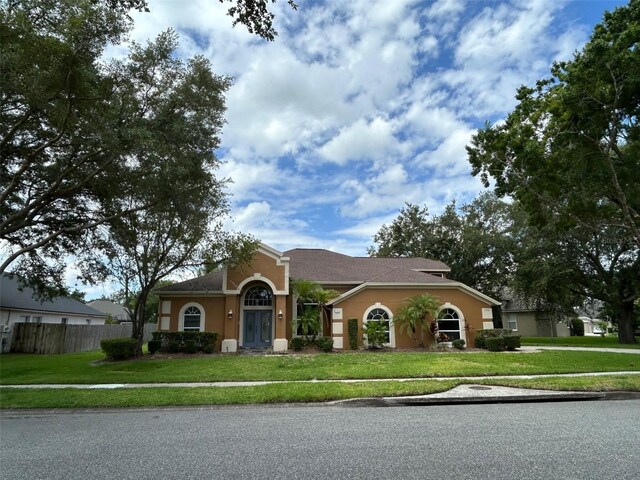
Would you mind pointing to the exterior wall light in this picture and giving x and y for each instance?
(279, 314)
(230, 314)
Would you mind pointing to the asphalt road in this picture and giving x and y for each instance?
(573, 440)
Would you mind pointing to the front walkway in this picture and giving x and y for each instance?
(267, 382)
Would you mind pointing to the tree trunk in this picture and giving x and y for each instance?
(137, 332)
(625, 323)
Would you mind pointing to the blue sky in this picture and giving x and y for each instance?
(361, 106)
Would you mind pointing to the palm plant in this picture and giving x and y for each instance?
(418, 312)
(312, 301)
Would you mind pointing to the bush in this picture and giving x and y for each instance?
(325, 344)
(459, 344)
(352, 329)
(495, 344)
(209, 348)
(153, 346)
(483, 335)
(173, 342)
(190, 346)
(577, 327)
(119, 348)
(297, 344)
(376, 334)
(511, 342)
(481, 340)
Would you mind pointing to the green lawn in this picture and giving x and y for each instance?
(605, 342)
(87, 368)
(282, 393)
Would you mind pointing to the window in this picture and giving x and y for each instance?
(513, 322)
(258, 297)
(191, 319)
(25, 318)
(449, 324)
(380, 313)
(37, 319)
(88, 320)
(64, 320)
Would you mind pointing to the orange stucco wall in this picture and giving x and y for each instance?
(214, 313)
(355, 307)
(262, 264)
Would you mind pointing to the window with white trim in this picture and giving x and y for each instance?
(258, 296)
(37, 319)
(512, 322)
(380, 313)
(25, 318)
(191, 319)
(449, 325)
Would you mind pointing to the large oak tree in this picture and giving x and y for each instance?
(570, 154)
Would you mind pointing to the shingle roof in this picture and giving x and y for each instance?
(212, 282)
(324, 266)
(12, 297)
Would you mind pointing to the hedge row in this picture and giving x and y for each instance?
(183, 342)
(324, 344)
(497, 340)
(119, 348)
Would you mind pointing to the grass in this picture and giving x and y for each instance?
(89, 367)
(604, 342)
(282, 393)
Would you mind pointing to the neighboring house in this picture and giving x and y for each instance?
(21, 305)
(522, 318)
(251, 306)
(114, 312)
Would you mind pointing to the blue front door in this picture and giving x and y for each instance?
(257, 328)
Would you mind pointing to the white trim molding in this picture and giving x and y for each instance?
(461, 319)
(181, 315)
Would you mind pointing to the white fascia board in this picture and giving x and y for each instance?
(437, 286)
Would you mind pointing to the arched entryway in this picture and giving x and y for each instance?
(257, 325)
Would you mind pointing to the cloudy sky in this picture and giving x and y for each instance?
(361, 106)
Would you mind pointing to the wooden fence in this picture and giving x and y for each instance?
(57, 338)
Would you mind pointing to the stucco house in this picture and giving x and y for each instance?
(251, 306)
(523, 318)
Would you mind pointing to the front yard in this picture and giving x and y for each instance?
(90, 368)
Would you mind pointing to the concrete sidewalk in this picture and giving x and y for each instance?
(535, 348)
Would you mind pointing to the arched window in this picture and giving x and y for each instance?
(191, 319)
(449, 324)
(379, 313)
(258, 296)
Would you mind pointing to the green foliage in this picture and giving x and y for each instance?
(495, 344)
(375, 334)
(154, 346)
(297, 344)
(352, 329)
(174, 342)
(417, 312)
(324, 344)
(118, 348)
(209, 348)
(569, 154)
(459, 344)
(477, 241)
(511, 342)
(311, 304)
(577, 327)
(480, 340)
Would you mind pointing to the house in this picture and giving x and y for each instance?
(522, 317)
(21, 305)
(112, 310)
(251, 306)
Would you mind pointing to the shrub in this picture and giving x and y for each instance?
(153, 346)
(495, 344)
(119, 348)
(376, 334)
(577, 327)
(173, 342)
(481, 340)
(325, 344)
(511, 342)
(483, 335)
(209, 348)
(352, 328)
(297, 344)
(190, 346)
(459, 344)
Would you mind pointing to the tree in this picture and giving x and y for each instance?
(417, 312)
(570, 155)
(73, 129)
(476, 241)
(311, 303)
